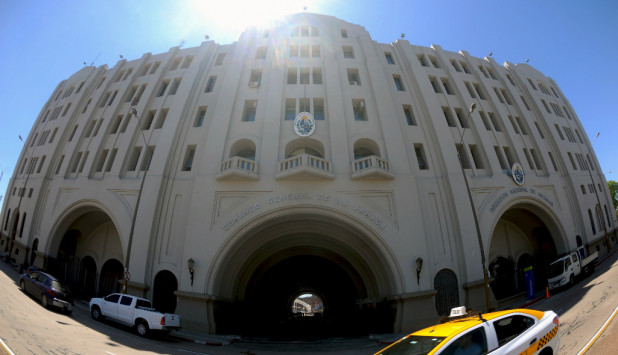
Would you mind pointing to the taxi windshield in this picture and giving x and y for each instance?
(413, 345)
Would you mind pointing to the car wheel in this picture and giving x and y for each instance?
(22, 285)
(571, 281)
(95, 313)
(44, 301)
(141, 328)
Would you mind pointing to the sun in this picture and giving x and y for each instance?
(224, 20)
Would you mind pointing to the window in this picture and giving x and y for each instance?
(175, 64)
(97, 127)
(572, 160)
(163, 88)
(525, 103)
(455, 65)
(89, 128)
(407, 112)
(463, 156)
(199, 119)
(531, 84)
(66, 109)
(482, 69)
(463, 118)
(353, 77)
(500, 158)
(435, 85)
(506, 97)
(101, 161)
(110, 161)
(479, 91)
(528, 159)
(476, 156)
(559, 131)
(138, 96)
(175, 85)
(317, 75)
(155, 67)
(314, 31)
(348, 52)
(491, 73)
(38, 170)
(56, 131)
(187, 62)
(76, 162)
(256, 78)
(398, 83)
(344, 34)
(292, 73)
(553, 162)
(210, 85)
(315, 51)
(101, 104)
(538, 128)
(149, 120)
(447, 86)
(509, 328)
(134, 158)
(304, 75)
(161, 119)
(303, 105)
(470, 91)
(294, 51)
(358, 106)
(485, 120)
(536, 159)
(318, 109)
(131, 93)
(464, 66)
(260, 53)
(510, 79)
(116, 124)
(448, 116)
(495, 122)
(420, 157)
(145, 69)
(290, 109)
(421, 59)
(249, 111)
(304, 51)
(434, 62)
(220, 59)
(513, 124)
(59, 164)
(188, 160)
(509, 156)
(389, 58)
(147, 158)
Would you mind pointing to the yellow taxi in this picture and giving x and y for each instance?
(515, 331)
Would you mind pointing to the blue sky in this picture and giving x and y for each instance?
(574, 42)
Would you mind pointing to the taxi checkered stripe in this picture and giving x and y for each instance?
(541, 343)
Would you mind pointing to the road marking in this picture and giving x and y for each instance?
(6, 347)
(598, 334)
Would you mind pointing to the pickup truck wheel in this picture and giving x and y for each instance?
(44, 301)
(142, 328)
(96, 313)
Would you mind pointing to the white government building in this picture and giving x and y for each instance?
(306, 158)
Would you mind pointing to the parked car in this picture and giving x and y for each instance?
(516, 331)
(569, 268)
(133, 311)
(47, 288)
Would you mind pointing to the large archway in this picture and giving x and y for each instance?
(85, 247)
(524, 236)
(305, 252)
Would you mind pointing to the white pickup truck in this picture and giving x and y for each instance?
(568, 268)
(133, 311)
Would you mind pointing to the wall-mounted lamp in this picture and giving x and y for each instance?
(419, 267)
(191, 264)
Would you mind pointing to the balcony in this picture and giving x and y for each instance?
(305, 167)
(237, 168)
(371, 167)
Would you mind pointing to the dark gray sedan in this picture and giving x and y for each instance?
(50, 290)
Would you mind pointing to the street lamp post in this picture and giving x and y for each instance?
(476, 221)
(133, 112)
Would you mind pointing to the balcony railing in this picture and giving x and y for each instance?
(371, 167)
(237, 168)
(305, 166)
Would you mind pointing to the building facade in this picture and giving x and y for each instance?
(223, 181)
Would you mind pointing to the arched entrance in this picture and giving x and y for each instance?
(271, 264)
(163, 297)
(83, 238)
(525, 236)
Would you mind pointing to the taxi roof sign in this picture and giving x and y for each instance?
(458, 312)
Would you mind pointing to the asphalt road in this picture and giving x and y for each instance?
(27, 328)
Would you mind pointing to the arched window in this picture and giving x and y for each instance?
(304, 150)
(23, 222)
(243, 148)
(307, 305)
(447, 291)
(365, 147)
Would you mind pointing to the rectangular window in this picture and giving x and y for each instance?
(536, 159)
(304, 75)
(304, 51)
(501, 160)
(420, 157)
(479, 91)
(463, 156)
(510, 79)
(528, 158)
(434, 61)
(161, 119)
(304, 105)
(553, 162)
(514, 125)
(531, 84)
(292, 74)
(318, 109)
(38, 170)
(138, 96)
(131, 93)
(353, 77)
(73, 133)
(59, 164)
(485, 120)
(491, 73)
(116, 124)
(134, 158)
(407, 112)
(103, 100)
(164, 85)
(290, 109)
(147, 158)
(448, 116)
(175, 64)
(538, 128)
(145, 69)
(149, 119)
(447, 86)
(199, 119)
(315, 51)
(498, 95)
(97, 127)
(559, 131)
(256, 78)
(317, 75)
(175, 85)
(463, 118)
(389, 58)
(482, 70)
(572, 160)
(66, 109)
(506, 97)
(421, 59)
(358, 106)
(344, 34)
(111, 159)
(89, 128)
(509, 156)
(53, 135)
(495, 123)
(398, 83)
(220, 59)
(546, 107)
(348, 52)
(470, 91)
(155, 67)
(476, 156)
(464, 66)
(249, 111)
(124, 125)
(294, 51)
(76, 162)
(210, 85)
(455, 65)
(188, 160)
(525, 103)
(260, 53)
(522, 125)
(101, 161)
(187, 62)
(590, 161)
(435, 85)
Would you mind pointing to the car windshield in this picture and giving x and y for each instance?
(413, 345)
(556, 269)
(60, 287)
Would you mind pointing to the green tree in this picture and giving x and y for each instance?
(613, 190)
